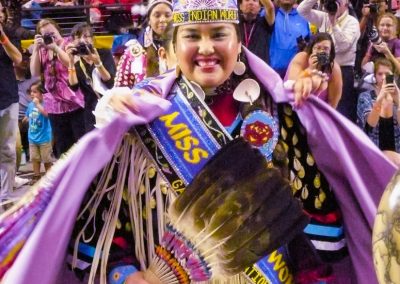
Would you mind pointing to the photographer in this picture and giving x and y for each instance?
(370, 13)
(384, 42)
(319, 60)
(345, 31)
(9, 55)
(64, 106)
(90, 70)
(378, 110)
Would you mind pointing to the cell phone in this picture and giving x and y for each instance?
(389, 79)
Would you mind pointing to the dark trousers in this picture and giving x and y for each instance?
(348, 103)
(23, 130)
(67, 129)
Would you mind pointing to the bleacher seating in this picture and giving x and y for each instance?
(67, 17)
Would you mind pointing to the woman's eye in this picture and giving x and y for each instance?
(191, 36)
(219, 35)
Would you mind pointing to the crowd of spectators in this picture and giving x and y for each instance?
(354, 43)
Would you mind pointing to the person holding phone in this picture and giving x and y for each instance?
(64, 106)
(378, 110)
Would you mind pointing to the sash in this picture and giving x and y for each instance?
(185, 138)
(181, 142)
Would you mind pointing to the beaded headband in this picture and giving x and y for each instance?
(204, 11)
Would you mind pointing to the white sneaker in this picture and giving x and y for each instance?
(18, 182)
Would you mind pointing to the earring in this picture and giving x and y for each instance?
(239, 68)
(247, 91)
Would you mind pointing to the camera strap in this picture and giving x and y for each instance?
(89, 79)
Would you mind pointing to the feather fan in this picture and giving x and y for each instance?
(235, 211)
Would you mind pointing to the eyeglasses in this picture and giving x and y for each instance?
(318, 48)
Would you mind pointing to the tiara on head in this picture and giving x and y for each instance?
(204, 11)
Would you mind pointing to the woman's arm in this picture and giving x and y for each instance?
(385, 50)
(35, 63)
(298, 64)
(72, 77)
(367, 56)
(335, 85)
(108, 61)
(97, 60)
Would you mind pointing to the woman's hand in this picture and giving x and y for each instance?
(311, 81)
(123, 102)
(313, 61)
(38, 42)
(70, 49)
(136, 278)
(382, 48)
(365, 11)
(94, 56)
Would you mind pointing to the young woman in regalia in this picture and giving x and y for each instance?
(183, 118)
(141, 57)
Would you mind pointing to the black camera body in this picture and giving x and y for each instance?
(48, 39)
(373, 36)
(373, 8)
(83, 49)
(331, 7)
(323, 62)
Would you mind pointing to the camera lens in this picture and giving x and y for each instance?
(81, 49)
(47, 39)
(373, 8)
(323, 63)
(373, 36)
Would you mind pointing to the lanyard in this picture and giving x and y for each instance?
(89, 80)
(247, 37)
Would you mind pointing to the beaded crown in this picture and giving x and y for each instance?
(204, 11)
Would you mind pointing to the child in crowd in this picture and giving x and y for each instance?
(39, 131)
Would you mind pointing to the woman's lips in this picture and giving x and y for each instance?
(207, 65)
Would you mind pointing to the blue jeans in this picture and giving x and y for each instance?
(8, 140)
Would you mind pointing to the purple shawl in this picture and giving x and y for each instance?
(353, 165)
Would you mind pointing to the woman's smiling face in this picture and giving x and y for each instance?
(159, 18)
(207, 53)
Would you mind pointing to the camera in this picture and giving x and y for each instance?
(331, 7)
(373, 8)
(83, 49)
(373, 36)
(323, 62)
(47, 39)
